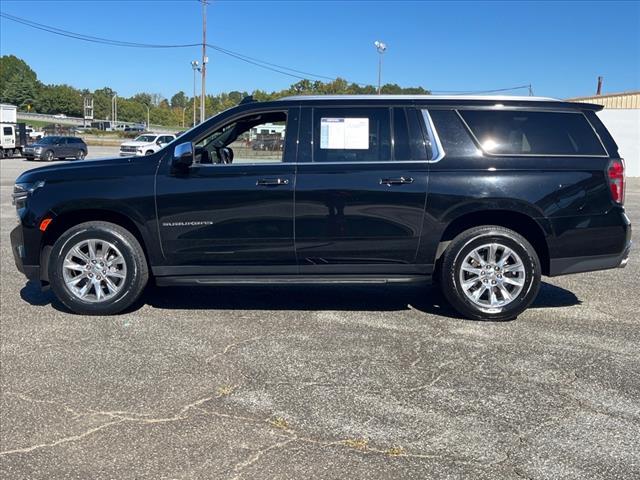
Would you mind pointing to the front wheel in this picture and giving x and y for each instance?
(48, 156)
(149, 152)
(490, 273)
(97, 268)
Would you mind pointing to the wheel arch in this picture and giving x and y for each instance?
(519, 222)
(63, 222)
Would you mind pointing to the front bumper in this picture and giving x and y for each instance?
(31, 153)
(32, 272)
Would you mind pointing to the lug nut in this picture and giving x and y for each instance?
(90, 275)
(482, 272)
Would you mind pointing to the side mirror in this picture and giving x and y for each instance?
(182, 156)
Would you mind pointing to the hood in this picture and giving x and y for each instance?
(64, 171)
(133, 143)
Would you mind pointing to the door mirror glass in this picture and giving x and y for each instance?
(183, 156)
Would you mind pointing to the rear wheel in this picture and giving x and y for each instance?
(97, 268)
(80, 155)
(490, 273)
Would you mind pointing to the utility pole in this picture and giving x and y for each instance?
(204, 61)
(196, 68)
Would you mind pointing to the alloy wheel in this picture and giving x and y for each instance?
(94, 270)
(492, 275)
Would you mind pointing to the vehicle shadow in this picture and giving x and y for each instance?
(427, 299)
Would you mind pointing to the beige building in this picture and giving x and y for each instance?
(613, 100)
(621, 115)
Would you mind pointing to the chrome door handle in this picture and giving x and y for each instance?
(395, 181)
(272, 182)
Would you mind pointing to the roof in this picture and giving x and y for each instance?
(422, 97)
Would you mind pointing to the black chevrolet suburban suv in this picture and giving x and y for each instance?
(482, 195)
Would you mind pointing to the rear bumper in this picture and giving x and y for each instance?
(589, 263)
(565, 266)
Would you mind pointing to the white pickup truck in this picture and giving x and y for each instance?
(145, 144)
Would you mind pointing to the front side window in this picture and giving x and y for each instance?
(351, 135)
(7, 131)
(533, 133)
(257, 138)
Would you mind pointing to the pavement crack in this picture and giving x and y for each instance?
(233, 345)
(253, 459)
(71, 438)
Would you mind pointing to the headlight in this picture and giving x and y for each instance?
(38, 149)
(22, 190)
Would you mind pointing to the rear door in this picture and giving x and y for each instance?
(360, 190)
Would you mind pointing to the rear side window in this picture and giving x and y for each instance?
(408, 139)
(533, 133)
(75, 140)
(351, 135)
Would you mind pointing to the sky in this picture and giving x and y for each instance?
(559, 48)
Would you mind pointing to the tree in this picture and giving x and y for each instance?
(21, 91)
(14, 70)
(179, 100)
(65, 99)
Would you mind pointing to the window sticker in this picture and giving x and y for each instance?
(344, 133)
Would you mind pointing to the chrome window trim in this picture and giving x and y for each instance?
(434, 138)
(546, 155)
(270, 164)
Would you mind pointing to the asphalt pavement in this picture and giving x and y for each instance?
(320, 382)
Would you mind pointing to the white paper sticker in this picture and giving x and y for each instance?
(344, 133)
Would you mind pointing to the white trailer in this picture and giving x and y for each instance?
(10, 141)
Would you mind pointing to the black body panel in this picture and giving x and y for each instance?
(335, 218)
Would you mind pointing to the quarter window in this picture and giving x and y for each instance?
(533, 133)
(351, 135)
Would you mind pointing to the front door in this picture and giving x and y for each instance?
(360, 191)
(232, 212)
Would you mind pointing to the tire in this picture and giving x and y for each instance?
(506, 289)
(80, 154)
(128, 274)
(29, 159)
(47, 156)
(149, 152)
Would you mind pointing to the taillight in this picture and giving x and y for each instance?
(615, 173)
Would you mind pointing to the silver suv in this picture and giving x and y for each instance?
(48, 148)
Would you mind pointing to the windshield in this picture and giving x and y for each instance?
(146, 138)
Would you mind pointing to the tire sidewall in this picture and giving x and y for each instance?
(68, 241)
(525, 297)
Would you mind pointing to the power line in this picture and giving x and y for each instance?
(274, 67)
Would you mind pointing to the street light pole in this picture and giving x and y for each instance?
(114, 109)
(184, 109)
(195, 66)
(381, 47)
(148, 109)
(204, 61)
